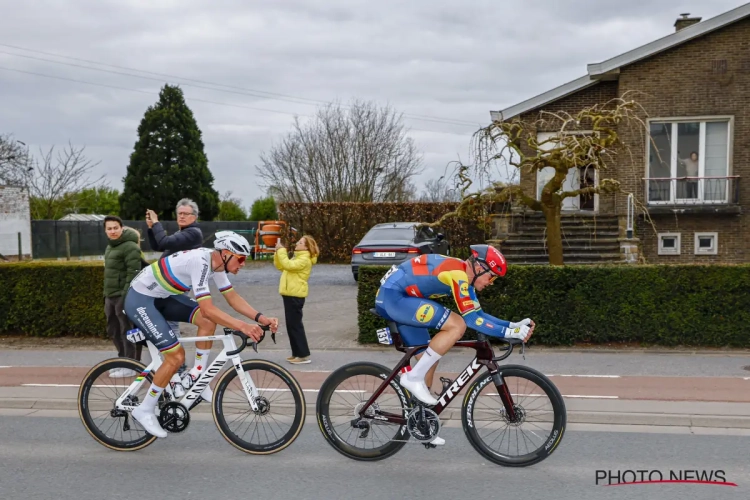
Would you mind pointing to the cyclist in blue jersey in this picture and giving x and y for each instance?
(405, 297)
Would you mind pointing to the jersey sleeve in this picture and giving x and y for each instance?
(222, 282)
(469, 308)
(199, 271)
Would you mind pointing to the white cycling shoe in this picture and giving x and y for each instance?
(418, 389)
(149, 422)
(438, 441)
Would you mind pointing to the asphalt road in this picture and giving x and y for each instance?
(43, 458)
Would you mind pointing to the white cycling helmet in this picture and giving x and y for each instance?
(229, 240)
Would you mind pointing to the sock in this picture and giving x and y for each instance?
(152, 397)
(424, 364)
(201, 356)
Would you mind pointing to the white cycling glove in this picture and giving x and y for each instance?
(519, 332)
(525, 322)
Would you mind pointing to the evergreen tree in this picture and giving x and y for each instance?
(168, 163)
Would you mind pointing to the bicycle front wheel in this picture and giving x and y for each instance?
(536, 430)
(100, 389)
(281, 408)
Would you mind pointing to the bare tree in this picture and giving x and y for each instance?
(440, 190)
(588, 139)
(15, 161)
(359, 154)
(52, 178)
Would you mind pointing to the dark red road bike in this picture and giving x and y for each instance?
(365, 414)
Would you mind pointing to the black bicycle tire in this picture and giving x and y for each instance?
(83, 413)
(559, 422)
(299, 401)
(323, 417)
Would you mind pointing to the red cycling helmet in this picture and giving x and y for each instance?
(490, 258)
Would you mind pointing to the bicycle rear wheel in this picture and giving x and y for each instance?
(281, 408)
(342, 396)
(538, 405)
(115, 429)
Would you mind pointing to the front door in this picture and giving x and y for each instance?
(572, 183)
(588, 179)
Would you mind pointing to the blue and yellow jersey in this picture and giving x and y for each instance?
(433, 276)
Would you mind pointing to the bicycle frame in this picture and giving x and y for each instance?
(485, 357)
(191, 397)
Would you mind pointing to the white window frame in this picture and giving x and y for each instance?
(670, 251)
(711, 251)
(701, 156)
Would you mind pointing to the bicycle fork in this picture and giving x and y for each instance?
(251, 391)
(505, 395)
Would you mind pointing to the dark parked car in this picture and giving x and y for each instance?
(394, 242)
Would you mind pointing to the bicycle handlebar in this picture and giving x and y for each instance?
(509, 349)
(245, 338)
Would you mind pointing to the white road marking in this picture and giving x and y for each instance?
(589, 376)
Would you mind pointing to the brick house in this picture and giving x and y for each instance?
(695, 86)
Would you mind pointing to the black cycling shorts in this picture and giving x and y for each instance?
(151, 316)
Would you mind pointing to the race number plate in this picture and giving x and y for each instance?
(384, 336)
(135, 335)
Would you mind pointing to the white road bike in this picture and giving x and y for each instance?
(258, 406)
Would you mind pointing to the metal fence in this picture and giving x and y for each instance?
(53, 239)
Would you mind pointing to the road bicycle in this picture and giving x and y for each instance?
(351, 417)
(258, 397)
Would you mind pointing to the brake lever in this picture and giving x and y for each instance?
(265, 328)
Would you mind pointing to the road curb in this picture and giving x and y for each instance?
(574, 416)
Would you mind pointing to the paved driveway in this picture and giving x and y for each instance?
(330, 313)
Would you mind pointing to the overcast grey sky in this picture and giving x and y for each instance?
(448, 60)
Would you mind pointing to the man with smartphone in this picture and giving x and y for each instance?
(189, 237)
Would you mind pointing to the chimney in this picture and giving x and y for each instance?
(685, 21)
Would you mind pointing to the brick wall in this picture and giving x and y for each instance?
(15, 217)
(732, 240)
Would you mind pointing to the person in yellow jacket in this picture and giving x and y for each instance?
(293, 289)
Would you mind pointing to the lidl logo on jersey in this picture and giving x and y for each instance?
(479, 321)
(425, 313)
(463, 289)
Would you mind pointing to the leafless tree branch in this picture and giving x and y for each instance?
(51, 178)
(357, 155)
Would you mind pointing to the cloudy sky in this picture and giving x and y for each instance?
(444, 64)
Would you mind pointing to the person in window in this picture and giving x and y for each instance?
(293, 289)
(691, 169)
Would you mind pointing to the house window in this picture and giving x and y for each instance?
(692, 158)
(706, 243)
(669, 243)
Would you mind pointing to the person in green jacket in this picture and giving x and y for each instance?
(293, 289)
(122, 261)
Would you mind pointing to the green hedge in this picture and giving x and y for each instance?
(52, 299)
(687, 305)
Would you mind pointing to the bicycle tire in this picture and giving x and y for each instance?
(84, 407)
(549, 444)
(299, 401)
(322, 409)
